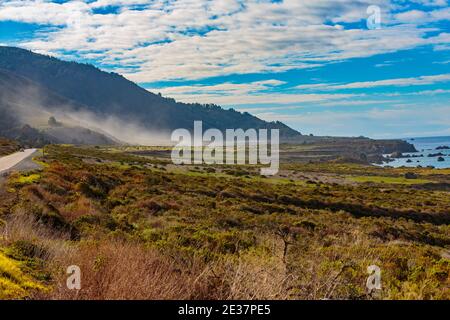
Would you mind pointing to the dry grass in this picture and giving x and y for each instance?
(120, 269)
(24, 227)
(117, 269)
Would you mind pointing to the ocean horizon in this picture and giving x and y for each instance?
(427, 148)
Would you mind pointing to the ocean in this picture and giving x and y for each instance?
(425, 146)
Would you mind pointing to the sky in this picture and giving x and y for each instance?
(377, 68)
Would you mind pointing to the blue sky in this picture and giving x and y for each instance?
(315, 65)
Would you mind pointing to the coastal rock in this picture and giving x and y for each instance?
(439, 154)
(396, 154)
(440, 159)
(443, 148)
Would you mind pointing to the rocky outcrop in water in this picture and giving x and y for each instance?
(439, 154)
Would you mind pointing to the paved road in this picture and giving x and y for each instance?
(12, 160)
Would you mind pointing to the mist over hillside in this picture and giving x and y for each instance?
(35, 87)
(25, 110)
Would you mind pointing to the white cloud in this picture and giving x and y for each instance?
(400, 82)
(421, 17)
(107, 3)
(233, 94)
(418, 93)
(411, 16)
(192, 39)
(378, 123)
(442, 62)
(333, 103)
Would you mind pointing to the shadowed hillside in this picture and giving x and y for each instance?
(25, 103)
(107, 94)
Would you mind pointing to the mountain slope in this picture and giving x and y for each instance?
(24, 104)
(106, 94)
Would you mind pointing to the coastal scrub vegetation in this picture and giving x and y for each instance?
(142, 228)
(7, 146)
